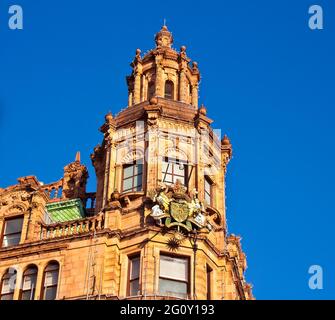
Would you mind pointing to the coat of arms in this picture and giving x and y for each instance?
(175, 208)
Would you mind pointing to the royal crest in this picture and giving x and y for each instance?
(174, 208)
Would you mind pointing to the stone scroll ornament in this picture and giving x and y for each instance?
(174, 208)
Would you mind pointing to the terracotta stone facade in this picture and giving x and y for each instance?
(159, 202)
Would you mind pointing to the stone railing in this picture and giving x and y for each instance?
(71, 228)
(54, 190)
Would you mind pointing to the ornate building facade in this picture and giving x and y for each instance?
(156, 226)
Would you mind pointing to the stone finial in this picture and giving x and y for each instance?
(225, 141)
(109, 117)
(164, 38)
(203, 110)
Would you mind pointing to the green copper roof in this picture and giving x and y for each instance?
(66, 210)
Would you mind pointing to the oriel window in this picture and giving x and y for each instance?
(174, 276)
(132, 177)
(12, 232)
(173, 170)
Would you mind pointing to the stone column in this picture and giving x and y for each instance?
(137, 88)
(160, 84)
(195, 96)
(182, 86)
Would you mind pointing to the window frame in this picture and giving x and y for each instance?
(33, 289)
(42, 297)
(132, 189)
(188, 280)
(175, 161)
(3, 231)
(210, 194)
(130, 259)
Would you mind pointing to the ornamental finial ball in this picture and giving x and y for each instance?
(203, 110)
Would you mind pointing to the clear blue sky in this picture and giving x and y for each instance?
(267, 81)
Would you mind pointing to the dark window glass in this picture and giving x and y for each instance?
(132, 177)
(134, 276)
(209, 277)
(151, 90)
(208, 191)
(12, 232)
(169, 88)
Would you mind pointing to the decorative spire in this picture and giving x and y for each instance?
(77, 159)
(164, 38)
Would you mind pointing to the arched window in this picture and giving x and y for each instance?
(7, 285)
(169, 90)
(151, 89)
(29, 283)
(50, 281)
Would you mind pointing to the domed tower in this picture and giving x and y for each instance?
(163, 72)
(161, 185)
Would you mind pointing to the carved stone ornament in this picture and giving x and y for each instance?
(174, 208)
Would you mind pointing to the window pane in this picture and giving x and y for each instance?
(14, 226)
(173, 288)
(174, 268)
(138, 169)
(179, 169)
(28, 295)
(167, 167)
(7, 296)
(127, 184)
(134, 268)
(50, 293)
(29, 282)
(138, 182)
(11, 240)
(51, 278)
(134, 287)
(128, 171)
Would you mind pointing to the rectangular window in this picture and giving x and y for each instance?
(12, 232)
(132, 177)
(208, 191)
(173, 170)
(134, 276)
(173, 276)
(209, 279)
